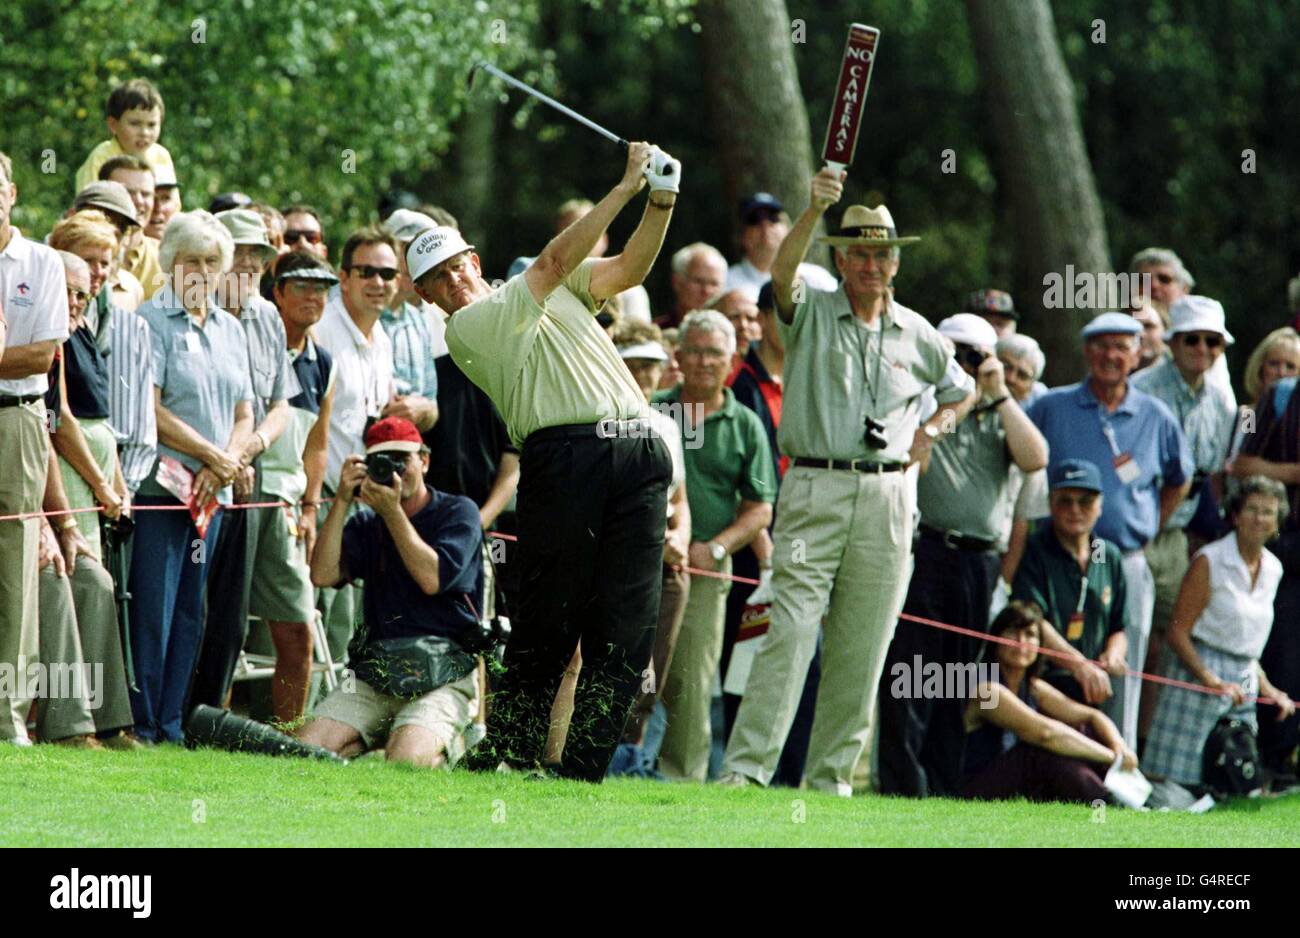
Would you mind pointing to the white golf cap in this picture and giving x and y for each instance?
(404, 224)
(432, 247)
(1197, 314)
(651, 350)
(969, 329)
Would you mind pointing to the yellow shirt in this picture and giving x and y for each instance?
(156, 156)
(142, 263)
(543, 366)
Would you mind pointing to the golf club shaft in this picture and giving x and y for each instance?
(567, 111)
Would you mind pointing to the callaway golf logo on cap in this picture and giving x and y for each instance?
(432, 247)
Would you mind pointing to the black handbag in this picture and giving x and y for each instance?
(1230, 761)
(412, 667)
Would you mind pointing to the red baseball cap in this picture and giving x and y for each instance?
(393, 433)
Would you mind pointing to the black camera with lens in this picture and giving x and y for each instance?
(382, 466)
(873, 433)
(970, 356)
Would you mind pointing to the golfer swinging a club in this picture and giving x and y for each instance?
(594, 479)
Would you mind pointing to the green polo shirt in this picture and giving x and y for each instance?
(836, 374)
(1049, 576)
(732, 462)
(543, 366)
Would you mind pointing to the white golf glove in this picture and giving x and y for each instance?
(664, 174)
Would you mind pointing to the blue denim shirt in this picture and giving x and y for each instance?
(202, 372)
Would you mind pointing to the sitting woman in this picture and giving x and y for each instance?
(1221, 623)
(1024, 738)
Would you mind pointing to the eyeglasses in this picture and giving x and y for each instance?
(1071, 501)
(1012, 370)
(79, 296)
(294, 234)
(1163, 278)
(709, 354)
(365, 272)
(1194, 339)
(306, 287)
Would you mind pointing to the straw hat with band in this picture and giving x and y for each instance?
(872, 226)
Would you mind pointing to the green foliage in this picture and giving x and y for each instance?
(280, 101)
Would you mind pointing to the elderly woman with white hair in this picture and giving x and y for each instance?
(203, 400)
(1023, 363)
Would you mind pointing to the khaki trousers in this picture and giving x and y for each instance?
(842, 540)
(688, 685)
(62, 711)
(24, 454)
(1167, 558)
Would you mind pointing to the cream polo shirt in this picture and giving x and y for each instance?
(543, 366)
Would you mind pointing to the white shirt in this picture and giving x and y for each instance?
(437, 321)
(34, 295)
(1237, 618)
(635, 303)
(363, 381)
(668, 430)
(745, 276)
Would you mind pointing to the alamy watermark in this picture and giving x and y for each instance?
(932, 680)
(34, 680)
(636, 429)
(1089, 290)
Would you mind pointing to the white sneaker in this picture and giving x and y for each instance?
(20, 741)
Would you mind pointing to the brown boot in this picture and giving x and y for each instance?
(122, 740)
(79, 742)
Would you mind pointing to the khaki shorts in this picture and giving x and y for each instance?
(281, 588)
(446, 712)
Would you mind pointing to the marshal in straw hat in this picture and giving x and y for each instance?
(862, 225)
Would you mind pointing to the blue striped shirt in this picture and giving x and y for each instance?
(130, 394)
(413, 369)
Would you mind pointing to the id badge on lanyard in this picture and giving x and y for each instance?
(1074, 629)
(1126, 467)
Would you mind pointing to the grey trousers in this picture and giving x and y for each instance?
(79, 633)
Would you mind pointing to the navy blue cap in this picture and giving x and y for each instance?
(760, 200)
(1112, 324)
(1074, 474)
(766, 297)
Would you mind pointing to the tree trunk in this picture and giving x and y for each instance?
(758, 114)
(1043, 165)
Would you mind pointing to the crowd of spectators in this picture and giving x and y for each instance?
(192, 403)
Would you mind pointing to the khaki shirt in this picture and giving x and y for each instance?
(831, 363)
(142, 263)
(543, 366)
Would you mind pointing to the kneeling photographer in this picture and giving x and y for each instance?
(417, 552)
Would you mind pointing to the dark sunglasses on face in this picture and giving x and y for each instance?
(760, 215)
(294, 234)
(1193, 339)
(365, 272)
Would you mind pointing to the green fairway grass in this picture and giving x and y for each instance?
(168, 797)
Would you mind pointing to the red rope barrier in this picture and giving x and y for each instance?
(933, 623)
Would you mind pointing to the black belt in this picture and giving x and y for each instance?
(850, 465)
(8, 400)
(957, 541)
(601, 429)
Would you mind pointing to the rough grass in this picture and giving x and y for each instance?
(167, 797)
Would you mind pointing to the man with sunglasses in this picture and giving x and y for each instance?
(1207, 411)
(763, 226)
(1146, 471)
(364, 384)
(303, 231)
(966, 500)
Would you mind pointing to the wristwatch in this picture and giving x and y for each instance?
(717, 551)
(65, 524)
(931, 431)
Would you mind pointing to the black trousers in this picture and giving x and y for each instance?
(225, 626)
(1281, 662)
(591, 515)
(922, 741)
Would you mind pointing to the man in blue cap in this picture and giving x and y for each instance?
(1077, 579)
(1146, 470)
(763, 226)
